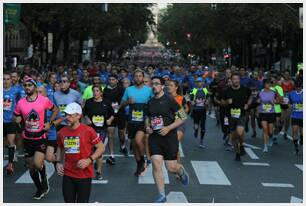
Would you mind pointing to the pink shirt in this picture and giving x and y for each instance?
(33, 114)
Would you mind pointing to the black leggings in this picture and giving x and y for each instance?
(76, 190)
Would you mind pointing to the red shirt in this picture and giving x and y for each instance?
(78, 144)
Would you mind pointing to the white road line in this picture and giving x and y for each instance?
(209, 173)
(250, 152)
(181, 150)
(289, 137)
(299, 166)
(147, 177)
(26, 178)
(251, 146)
(176, 197)
(265, 184)
(99, 181)
(255, 164)
(295, 200)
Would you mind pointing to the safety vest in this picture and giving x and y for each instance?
(195, 90)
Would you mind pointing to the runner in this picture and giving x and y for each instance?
(75, 145)
(287, 86)
(10, 97)
(99, 114)
(137, 97)
(31, 110)
(296, 104)
(174, 91)
(52, 133)
(88, 91)
(238, 98)
(161, 124)
(267, 99)
(199, 101)
(113, 93)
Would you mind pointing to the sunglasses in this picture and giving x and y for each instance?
(28, 85)
(156, 84)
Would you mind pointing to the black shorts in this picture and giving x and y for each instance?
(297, 122)
(268, 117)
(199, 115)
(165, 146)
(134, 128)
(32, 146)
(102, 134)
(278, 114)
(236, 122)
(284, 106)
(119, 122)
(10, 128)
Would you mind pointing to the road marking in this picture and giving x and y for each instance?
(289, 137)
(209, 173)
(277, 185)
(255, 164)
(176, 197)
(250, 152)
(147, 177)
(299, 166)
(251, 146)
(26, 178)
(99, 181)
(181, 150)
(295, 200)
(5, 162)
(117, 155)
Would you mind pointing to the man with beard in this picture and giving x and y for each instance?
(137, 97)
(31, 110)
(164, 116)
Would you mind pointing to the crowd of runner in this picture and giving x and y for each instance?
(69, 115)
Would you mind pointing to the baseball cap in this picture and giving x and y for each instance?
(73, 108)
(31, 80)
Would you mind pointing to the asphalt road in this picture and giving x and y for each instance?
(276, 177)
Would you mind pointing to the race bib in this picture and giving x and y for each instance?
(7, 104)
(235, 113)
(285, 100)
(225, 120)
(267, 107)
(200, 102)
(298, 107)
(137, 116)
(115, 106)
(157, 123)
(98, 120)
(72, 145)
(62, 108)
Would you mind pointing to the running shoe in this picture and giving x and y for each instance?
(38, 195)
(45, 185)
(161, 199)
(111, 161)
(265, 148)
(270, 142)
(201, 145)
(184, 178)
(10, 168)
(125, 152)
(99, 176)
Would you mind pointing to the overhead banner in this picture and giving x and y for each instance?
(12, 13)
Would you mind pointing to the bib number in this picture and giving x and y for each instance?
(157, 123)
(235, 113)
(200, 102)
(115, 106)
(72, 145)
(267, 107)
(225, 120)
(98, 120)
(137, 116)
(298, 107)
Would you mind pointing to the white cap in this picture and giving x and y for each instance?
(73, 108)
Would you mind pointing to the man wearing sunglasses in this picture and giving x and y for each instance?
(31, 110)
(164, 116)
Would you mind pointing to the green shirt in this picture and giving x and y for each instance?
(280, 92)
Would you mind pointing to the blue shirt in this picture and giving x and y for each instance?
(50, 92)
(245, 81)
(52, 134)
(296, 100)
(10, 98)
